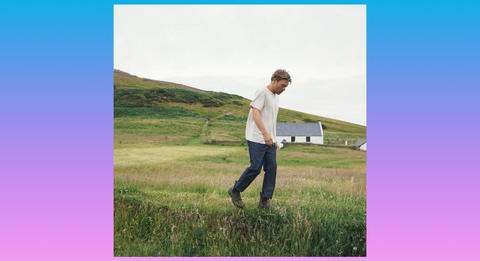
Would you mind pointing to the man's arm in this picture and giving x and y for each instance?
(258, 121)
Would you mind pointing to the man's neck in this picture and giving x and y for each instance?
(270, 87)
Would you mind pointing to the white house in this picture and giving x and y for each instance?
(300, 132)
(362, 144)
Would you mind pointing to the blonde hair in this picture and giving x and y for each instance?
(281, 74)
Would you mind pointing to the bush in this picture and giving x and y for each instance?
(151, 96)
(231, 118)
(306, 120)
(158, 112)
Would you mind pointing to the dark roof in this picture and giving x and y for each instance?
(298, 129)
(360, 142)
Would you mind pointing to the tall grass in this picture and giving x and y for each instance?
(226, 128)
(183, 209)
(172, 200)
(147, 132)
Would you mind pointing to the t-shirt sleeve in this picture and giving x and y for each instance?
(258, 100)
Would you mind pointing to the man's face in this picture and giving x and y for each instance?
(280, 86)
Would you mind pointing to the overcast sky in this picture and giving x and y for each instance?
(236, 48)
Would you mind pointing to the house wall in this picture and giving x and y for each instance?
(313, 139)
(300, 138)
(321, 129)
(317, 139)
(364, 147)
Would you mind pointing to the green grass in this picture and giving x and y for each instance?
(140, 97)
(126, 80)
(145, 132)
(221, 129)
(324, 157)
(156, 112)
(183, 209)
(173, 201)
(170, 188)
(291, 156)
(339, 138)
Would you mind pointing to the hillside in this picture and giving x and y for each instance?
(172, 170)
(124, 79)
(139, 102)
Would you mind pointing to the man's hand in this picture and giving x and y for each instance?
(268, 139)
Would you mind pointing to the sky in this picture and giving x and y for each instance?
(235, 49)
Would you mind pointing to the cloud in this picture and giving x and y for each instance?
(235, 49)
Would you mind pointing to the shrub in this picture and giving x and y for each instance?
(231, 118)
(159, 112)
(306, 120)
(150, 97)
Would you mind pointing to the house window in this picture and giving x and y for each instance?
(308, 139)
(293, 138)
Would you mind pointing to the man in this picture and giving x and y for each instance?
(262, 146)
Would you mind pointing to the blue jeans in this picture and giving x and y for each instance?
(260, 155)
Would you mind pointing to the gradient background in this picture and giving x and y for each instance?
(56, 119)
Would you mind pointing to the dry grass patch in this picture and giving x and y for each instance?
(157, 155)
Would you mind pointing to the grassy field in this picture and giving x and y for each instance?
(172, 200)
(171, 178)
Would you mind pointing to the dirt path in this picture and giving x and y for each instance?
(198, 140)
(228, 113)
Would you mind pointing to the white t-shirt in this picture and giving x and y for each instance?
(267, 102)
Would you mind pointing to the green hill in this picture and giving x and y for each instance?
(124, 79)
(177, 195)
(156, 111)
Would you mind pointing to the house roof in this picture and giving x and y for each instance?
(298, 129)
(360, 142)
